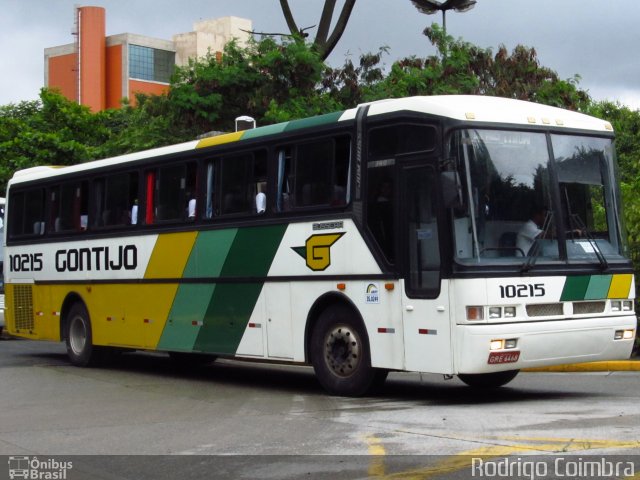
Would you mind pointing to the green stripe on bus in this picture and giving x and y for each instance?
(598, 287)
(192, 301)
(209, 253)
(266, 130)
(185, 320)
(575, 288)
(313, 121)
(232, 304)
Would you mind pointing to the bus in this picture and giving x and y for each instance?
(387, 237)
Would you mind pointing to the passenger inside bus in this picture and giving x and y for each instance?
(531, 229)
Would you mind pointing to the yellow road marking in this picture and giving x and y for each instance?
(377, 453)
(461, 460)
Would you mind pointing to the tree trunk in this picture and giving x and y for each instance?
(324, 42)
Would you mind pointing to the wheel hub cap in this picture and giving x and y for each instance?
(342, 351)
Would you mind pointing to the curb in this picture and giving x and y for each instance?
(612, 366)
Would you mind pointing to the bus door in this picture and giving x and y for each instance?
(425, 305)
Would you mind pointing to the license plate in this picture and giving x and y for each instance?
(496, 358)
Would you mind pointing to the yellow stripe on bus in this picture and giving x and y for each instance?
(620, 286)
(170, 255)
(220, 139)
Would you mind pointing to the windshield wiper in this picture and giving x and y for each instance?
(575, 220)
(536, 248)
(576, 223)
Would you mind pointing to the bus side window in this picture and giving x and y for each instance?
(170, 186)
(243, 183)
(313, 170)
(26, 215)
(115, 200)
(175, 192)
(69, 207)
(314, 174)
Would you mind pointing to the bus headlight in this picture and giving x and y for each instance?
(624, 334)
(627, 305)
(500, 344)
(616, 305)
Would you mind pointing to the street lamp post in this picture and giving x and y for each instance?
(432, 6)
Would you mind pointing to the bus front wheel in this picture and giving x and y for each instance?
(340, 353)
(80, 348)
(488, 380)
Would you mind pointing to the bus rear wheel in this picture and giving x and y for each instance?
(79, 338)
(488, 380)
(340, 353)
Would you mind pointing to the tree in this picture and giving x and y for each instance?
(626, 124)
(325, 40)
(463, 68)
(50, 131)
(268, 80)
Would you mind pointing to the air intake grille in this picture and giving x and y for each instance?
(544, 309)
(23, 307)
(588, 307)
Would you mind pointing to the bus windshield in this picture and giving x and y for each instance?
(529, 197)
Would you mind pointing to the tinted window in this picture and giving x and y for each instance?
(26, 214)
(115, 200)
(386, 142)
(69, 207)
(174, 197)
(244, 179)
(314, 174)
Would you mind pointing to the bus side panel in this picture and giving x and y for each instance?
(313, 250)
(377, 306)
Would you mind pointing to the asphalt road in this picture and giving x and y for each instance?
(143, 405)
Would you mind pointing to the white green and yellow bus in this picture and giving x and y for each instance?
(395, 236)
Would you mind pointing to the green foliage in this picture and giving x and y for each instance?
(269, 81)
(51, 131)
(626, 124)
(460, 67)
(152, 123)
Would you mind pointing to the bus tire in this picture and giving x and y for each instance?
(340, 353)
(79, 338)
(488, 380)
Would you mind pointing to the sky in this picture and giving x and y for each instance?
(595, 39)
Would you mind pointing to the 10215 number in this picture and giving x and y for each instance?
(522, 290)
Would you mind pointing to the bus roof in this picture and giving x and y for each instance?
(468, 108)
(485, 109)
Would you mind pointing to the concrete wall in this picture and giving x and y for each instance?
(210, 36)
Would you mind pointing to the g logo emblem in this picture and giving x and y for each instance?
(317, 250)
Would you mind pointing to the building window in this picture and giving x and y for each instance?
(150, 64)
